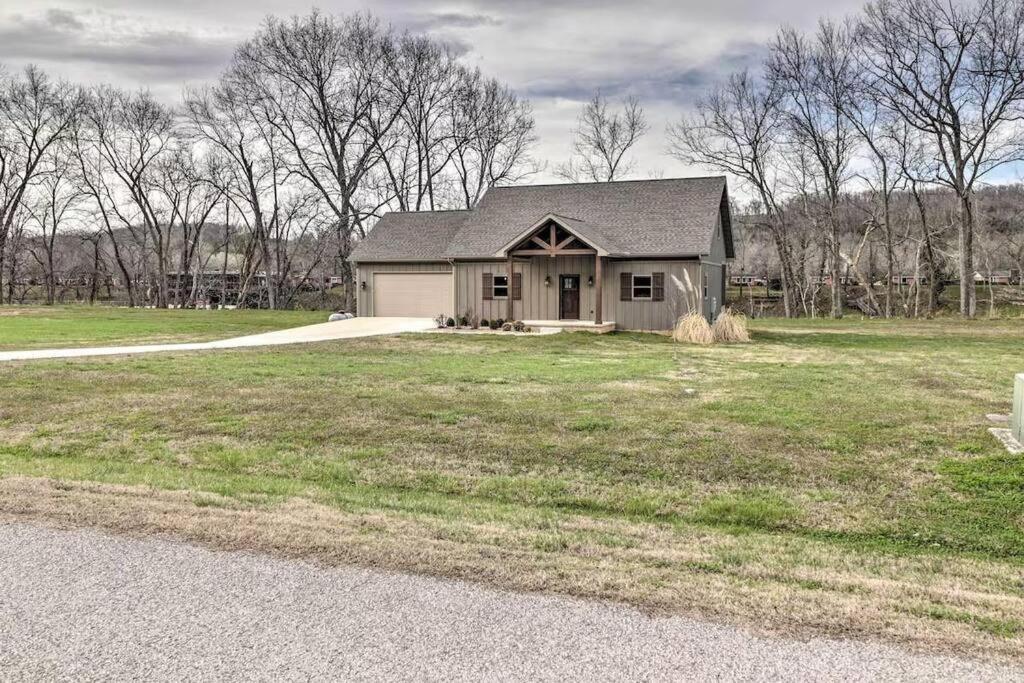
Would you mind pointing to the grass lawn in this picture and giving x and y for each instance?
(67, 326)
(830, 477)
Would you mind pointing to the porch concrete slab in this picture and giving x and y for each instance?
(573, 325)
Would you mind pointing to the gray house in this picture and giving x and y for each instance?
(632, 255)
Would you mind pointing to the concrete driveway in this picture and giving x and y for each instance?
(81, 605)
(341, 329)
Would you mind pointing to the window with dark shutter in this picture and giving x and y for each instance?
(642, 286)
(658, 287)
(517, 286)
(500, 289)
(626, 287)
(488, 286)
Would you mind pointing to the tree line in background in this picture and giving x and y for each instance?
(915, 100)
(865, 146)
(267, 177)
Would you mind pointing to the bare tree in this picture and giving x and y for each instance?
(737, 129)
(954, 72)
(132, 134)
(187, 198)
(54, 203)
(812, 75)
(253, 164)
(35, 113)
(602, 139)
(493, 134)
(333, 88)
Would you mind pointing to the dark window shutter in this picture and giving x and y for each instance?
(517, 286)
(488, 286)
(657, 286)
(626, 287)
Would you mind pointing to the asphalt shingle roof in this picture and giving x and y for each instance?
(672, 217)
(410, 236)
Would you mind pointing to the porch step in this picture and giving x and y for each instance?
(574, 325)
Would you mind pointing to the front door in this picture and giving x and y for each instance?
(569, 297)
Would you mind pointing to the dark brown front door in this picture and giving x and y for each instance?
(569, 297)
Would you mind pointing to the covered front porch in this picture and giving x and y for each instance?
(556, 252)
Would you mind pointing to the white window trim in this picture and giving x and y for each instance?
(495, 285)
(649, 287)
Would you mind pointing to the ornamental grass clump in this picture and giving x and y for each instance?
(730, 327)
(693, 328)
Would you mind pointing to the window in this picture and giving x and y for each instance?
(642, 285)
(501, 286)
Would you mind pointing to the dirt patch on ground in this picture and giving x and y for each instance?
(796, 586)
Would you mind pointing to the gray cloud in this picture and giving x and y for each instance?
(63, 19)
(446, 20)
(653, 76)
(555, 52)
(64, 37)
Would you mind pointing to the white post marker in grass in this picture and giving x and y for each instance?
(1017, 416)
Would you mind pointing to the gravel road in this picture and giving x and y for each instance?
(86, 606)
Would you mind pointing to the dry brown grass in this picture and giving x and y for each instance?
(693, 328)
(730, 327)
(811, 588)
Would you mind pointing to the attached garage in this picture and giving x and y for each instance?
(412, 295)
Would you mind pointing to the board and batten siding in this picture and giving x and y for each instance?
(649, 316)
(539, 302)
(714, 267)
(365, 272)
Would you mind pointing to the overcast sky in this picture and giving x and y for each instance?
(553, 52)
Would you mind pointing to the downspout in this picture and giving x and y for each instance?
(455, 289)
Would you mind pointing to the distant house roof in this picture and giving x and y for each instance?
(642, 218)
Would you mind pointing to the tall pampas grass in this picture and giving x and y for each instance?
(693, 328)
(730, 327)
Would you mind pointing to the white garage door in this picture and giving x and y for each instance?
(412, 295)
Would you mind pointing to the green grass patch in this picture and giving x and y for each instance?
(867, 438)
(750, 509)
(70, 326)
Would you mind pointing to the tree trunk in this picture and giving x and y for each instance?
(785, 268)
(890, 257)
(837, 284)
(968, 302)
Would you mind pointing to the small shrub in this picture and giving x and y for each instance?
(450, 322)
(507, 327)
(440, 321)
(495, 325)
(519, 326)
(692, 328)
(501, 322)
(730, 327)
(484, 322)
(463, 321)
(528, 330)
(474, 322)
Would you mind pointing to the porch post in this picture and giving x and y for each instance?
(511, 301)
(598, 281)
